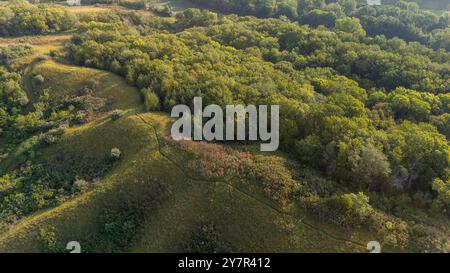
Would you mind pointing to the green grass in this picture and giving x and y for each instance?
(81, 216)
(66, 80)
(171, 205)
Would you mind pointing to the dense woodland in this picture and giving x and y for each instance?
(401, 19)
(364, 92)
(345, 98)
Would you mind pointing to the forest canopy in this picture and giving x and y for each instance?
(394, 19)
(22, 18)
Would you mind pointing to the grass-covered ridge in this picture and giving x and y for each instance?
(65, 81)
(144, 178)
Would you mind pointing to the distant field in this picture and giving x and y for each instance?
(93, 9)
(434, 4)
(179, 5)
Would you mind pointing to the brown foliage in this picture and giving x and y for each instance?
(220, 162)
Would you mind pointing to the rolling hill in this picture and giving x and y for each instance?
(150, 201)
(88, 161)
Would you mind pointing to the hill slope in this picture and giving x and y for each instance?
(170, 211)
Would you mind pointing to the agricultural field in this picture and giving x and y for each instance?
(87, 153)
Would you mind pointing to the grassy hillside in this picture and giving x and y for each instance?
(81, 215)
(65, 81)
(169, 210)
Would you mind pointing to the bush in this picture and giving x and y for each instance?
(442, 201)
(115, 154)
(80, 117)
(206, 238)
(53, 53)
(43, 57)
(38, 79)
(80, 185)
(348, 210)
(357, 203)
(48, 240)
(212, 161)
(116, 114)
(151, 100)
(12, 52)
(275, 177)
(394, 231)
(58, 131)
(49, 139)
(52, 136)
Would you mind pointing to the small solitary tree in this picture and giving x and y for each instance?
(115, 154)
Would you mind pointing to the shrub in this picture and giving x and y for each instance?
(80, 117)
(52, 136)
(53, 53)
(349, 210)
(115, 154)
(118, 231)
(162, 10)
(116, 114)
(206, 238)
(43, 57)
(133, 4)
(442, 202)
(276, 178)
(357, 205)
(428, 239)
(212, 161)
(49, 139)
(47, 238)
(58, 131)
(38, 79)
(151, 100)
(80, 185)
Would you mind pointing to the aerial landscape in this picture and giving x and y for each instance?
(345, 140)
